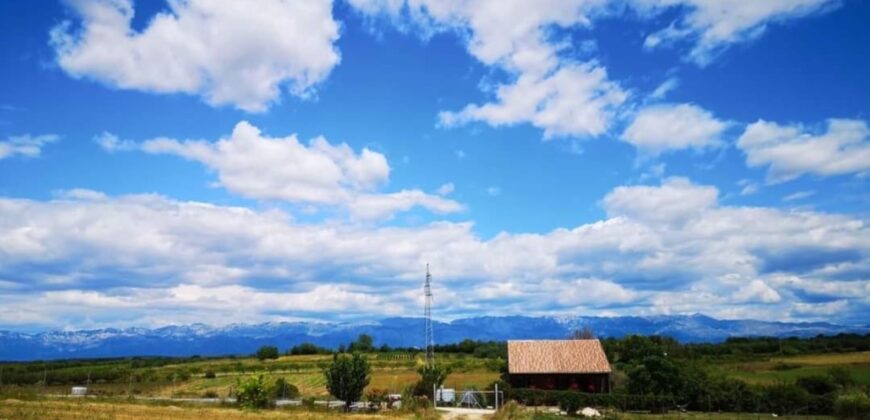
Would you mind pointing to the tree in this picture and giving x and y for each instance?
(431, 376)
(307, 348)
(347, 377)
(655, 375)
(584, 333)
(364, 343)
(253, 393)
(267, 352)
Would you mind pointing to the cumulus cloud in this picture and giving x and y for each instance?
(25, 145)
(575, 100)
(554, 85)
(226, 52)
(658, 128)
(713, 25)
(677, 199)
(131, 250)
(564, 97)
(254, 165)
(790, 151)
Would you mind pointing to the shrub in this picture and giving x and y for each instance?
(285, 390)
(377, 397)
(210, 394)
(841, 376)
(785, 366)
(253, 393)
(853, 405)
(785, 398)
(509, 411)
(308, 402)
(817, 384)
(267, 352)
(209, 374)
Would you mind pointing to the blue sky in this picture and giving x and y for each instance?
(205, 161)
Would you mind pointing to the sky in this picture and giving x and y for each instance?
(182, 161)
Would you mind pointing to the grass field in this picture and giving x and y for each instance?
(77, 409)
(124, 410)
(788, 369)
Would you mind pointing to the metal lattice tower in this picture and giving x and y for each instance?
(427, 314)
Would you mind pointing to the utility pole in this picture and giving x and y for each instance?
(429, 339)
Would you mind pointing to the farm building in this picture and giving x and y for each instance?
(558, 364)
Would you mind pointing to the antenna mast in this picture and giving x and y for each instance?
(427, 314)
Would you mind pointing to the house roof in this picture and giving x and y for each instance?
(556, 356)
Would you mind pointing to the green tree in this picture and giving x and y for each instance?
(655, 375)
(347, 377)
(364, 344)
(253, 393)
(267, 352)
(430, 376)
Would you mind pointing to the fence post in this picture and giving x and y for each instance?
(434, 396)
(496, 396)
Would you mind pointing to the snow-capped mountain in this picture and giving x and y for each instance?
(185, 340)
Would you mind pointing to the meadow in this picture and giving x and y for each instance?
(151, 387)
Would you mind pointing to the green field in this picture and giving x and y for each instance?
(170, 378)
(789, 369)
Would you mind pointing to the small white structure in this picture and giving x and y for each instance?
(590, 412)
(79, 391)
(446, 395)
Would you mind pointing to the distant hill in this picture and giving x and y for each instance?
(204, 340)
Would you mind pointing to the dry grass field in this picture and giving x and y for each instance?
(90, 410)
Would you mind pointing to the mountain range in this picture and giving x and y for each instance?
(204, 340)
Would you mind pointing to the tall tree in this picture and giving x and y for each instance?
(347, 377)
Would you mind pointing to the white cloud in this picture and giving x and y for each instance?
(227, 52)
(575, 100)
(798, 195)
(254, 165)
(26, 145)
(145, 252)
(749, 187)
(713, 25)
(658, 128)
(793, 150)
(564, 97)
(677, 199)
(446, 189)
(757, 290)
(662, 90)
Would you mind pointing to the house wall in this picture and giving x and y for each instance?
(588, 382)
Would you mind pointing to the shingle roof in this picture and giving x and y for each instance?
(556, 356)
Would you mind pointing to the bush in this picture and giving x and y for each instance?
(285, 390)
(785, 398)
(267, 352)
(253, 393)
(509, 411)
(853, 405)
(209, 374)
(817, 384)
(307, 348)
(377, 397)
(210, 394)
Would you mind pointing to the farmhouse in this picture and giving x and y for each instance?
(558, 364)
